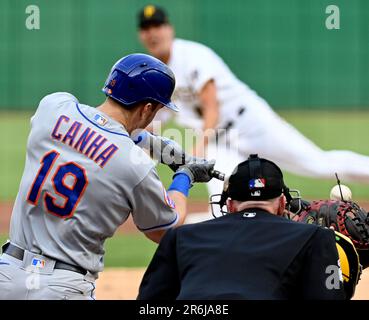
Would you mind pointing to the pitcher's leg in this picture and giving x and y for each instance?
(294, 152)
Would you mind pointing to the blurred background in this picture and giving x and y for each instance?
(317, 79)
(281, 48)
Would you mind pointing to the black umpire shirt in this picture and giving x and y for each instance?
(246, 255)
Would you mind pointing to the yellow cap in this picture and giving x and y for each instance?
(149, 11)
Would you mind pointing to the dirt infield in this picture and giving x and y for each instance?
(122, 284)
(119, 284)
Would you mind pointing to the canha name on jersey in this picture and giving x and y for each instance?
(85, 140)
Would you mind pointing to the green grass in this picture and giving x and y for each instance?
(14, 129)
(132, 250)
(329, 130)
(3, 238)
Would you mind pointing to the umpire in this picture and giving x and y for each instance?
(253, 252)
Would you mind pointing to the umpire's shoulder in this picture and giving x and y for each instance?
(200, 226)
(299, 225)
(309, 231)
(324, 234)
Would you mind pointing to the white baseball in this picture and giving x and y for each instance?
(336, 194)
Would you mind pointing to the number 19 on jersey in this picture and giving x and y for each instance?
(71, 193)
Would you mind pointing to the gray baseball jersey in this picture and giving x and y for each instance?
(83, 177)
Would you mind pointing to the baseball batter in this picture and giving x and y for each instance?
(212, 98)
(83, 177)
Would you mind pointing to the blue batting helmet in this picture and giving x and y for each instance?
(138, 77)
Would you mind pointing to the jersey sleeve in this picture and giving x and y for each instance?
(203, 68)
(161, 279)
(322, 276)
(152, 208)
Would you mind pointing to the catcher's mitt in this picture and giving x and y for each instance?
(351, 224)
(345, 217)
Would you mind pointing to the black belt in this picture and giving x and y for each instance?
(18, 253)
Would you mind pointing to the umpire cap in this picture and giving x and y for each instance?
(152, 15)
(255, 179)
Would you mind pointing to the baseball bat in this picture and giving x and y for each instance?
(168, 152)
(217, 175)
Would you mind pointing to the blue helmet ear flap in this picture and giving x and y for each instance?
(138, 77)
